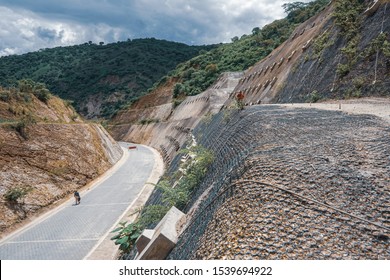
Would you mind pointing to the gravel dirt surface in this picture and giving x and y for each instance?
(373, 106)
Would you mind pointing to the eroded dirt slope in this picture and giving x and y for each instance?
(46, 152)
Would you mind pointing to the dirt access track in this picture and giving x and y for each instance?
(372, 106)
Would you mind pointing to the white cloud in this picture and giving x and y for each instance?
(215, 21)
(27, 25)
(23, 31)
(8, 51)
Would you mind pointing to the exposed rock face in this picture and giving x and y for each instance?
(55, 160)
(49, 159)
(110, 148)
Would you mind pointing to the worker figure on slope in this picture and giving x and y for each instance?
(240, 100)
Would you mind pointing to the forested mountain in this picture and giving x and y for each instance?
(98, 78)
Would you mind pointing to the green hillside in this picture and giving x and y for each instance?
(109, 75)
(101, 78)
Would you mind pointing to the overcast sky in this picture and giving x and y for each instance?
(29, 25)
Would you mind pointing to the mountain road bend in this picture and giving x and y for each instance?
(71, 232)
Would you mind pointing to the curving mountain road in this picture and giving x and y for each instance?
(71, 232)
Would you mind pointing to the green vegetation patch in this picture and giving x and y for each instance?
(347, 18)
(22, 126)
(16, 194)
(148, 121)
(381, 43)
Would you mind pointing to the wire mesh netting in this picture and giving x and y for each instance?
(341, 161)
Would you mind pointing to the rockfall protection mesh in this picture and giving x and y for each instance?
(339, 160)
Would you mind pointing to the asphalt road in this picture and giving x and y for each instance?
(70, 232)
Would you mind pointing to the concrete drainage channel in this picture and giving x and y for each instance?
(157, 243)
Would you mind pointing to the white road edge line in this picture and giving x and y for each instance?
(51, 241)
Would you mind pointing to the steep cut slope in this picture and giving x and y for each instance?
(46, 152)
(34, 101)
(329, 56)
(167, 128)
(199, 73)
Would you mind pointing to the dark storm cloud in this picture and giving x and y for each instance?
(49, 34)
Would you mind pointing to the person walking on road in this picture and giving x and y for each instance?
(77, 197)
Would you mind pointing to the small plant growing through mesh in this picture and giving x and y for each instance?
(314, 96)
(176, 102)
(127, 234)
(207, 118)
(74, 117)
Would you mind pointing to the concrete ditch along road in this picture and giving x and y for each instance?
(78, 232)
